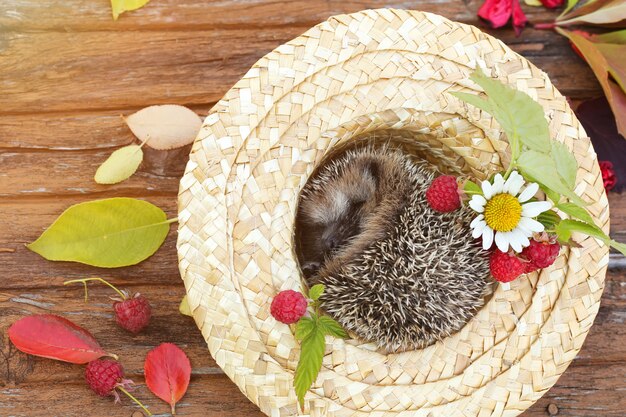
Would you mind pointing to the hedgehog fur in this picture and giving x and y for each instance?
(396, 272)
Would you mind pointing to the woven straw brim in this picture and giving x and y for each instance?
(382, 72)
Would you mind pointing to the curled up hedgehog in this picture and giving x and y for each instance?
(397, 273)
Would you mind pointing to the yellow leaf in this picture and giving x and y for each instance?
(120, 165)
(184, 308)
(120, 6)
(532, 2)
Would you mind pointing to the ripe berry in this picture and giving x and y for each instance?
(104, 375)
(443, 194)
(505, 267)
(288, 306)
(133, 314)
(541, 254)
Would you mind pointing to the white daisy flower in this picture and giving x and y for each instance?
(506, 216)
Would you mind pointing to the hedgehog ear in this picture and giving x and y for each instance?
(372, 170)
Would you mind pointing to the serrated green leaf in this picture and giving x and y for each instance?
(474, 100)
(541, 168)
(305, 326)
(549, 219)
(183, 308)
(577, 212)
(565, 229)
(520, 116)
(471, 187)
(618, 246)
(310, 362)
(108, 233)
(316, 291)
(120, 6)
(566, 164)
(120, 165)
(331, 328)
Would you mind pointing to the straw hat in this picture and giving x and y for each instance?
(374, 71)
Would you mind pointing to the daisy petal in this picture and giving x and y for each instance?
(487, 237)
(487, 190)
(528, 192)
(502, 241)
(476, 220)
(498, 184)
(515, 183)
(478, 229)
(530, 224)
(535, 208)
(478, 203)
(522, 237)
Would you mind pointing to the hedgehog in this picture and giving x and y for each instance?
(396, 272)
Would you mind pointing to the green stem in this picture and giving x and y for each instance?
(135, 400)
(84, 281)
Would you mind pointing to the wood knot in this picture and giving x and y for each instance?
(553, 410)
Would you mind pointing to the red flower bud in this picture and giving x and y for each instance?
(498, 12)
(608, 175)
(551, 4)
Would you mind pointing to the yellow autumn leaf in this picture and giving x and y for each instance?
(120, 165)
(533, 2)
(120, 6)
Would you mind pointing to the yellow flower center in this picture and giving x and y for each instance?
(503, 212)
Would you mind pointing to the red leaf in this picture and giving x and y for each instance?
(54, 337)
(167, 370)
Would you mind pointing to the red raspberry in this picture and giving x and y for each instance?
(103, 375)
(541, 254)
(443, 194)
(133, 314)
(288, 306)
(505, 267)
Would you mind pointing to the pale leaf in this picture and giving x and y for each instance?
(577, 212)
(617, 37)
(166, 126)
(598, 12)
(316, 291)
(566, 164)
(120, 6)
(120, 165)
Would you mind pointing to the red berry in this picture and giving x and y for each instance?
(443, 194)
(133, 314)
(541, 254)
(288, 306)
(505, 267)
(103, 375)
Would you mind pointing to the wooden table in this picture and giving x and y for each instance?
(67, 71)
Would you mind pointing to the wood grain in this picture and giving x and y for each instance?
(68, 71)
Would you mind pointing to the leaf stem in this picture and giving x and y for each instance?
(85, 280)
(135, 400)
(170, 221)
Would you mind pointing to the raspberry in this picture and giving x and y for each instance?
(288, 306)
(133, 314)
(443, 194)
(505, 267)
(103, 375)
(541, 254)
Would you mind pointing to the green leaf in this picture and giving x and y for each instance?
(566, 164)
(183, 308)
(570, 5)
(316, 291)
(120, 6)
(566, 227)
(552, 195)
(107, 233)
(120, 165)
(331, 328)
(305, 326)
(310, 362)
(577, 212)
(541, 168)
(549, 219)
(618, 37)
(471, 187)
(519, 115)
(618, 246)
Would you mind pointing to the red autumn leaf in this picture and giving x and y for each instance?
(167, 371)
(54, 337)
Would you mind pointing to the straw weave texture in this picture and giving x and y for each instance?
(382, 72)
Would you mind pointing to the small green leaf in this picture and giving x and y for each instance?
(566, 227)
(305, 326)
(310, 362)
(316, 291)
(566, 164)
(549, 219)
(332, 328)
(120, 165)
(618, 246)
(183, 308)
(577, 212)
(618, 37)
(471, 187)
(108, 233)
(120, 6)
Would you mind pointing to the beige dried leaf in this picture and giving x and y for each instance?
(163, 127)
